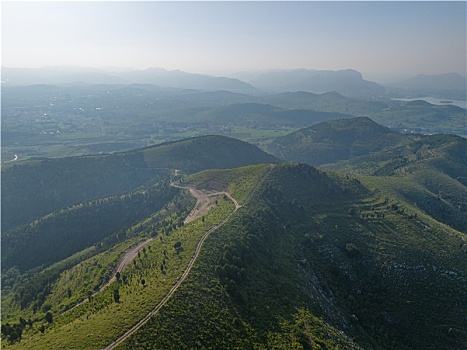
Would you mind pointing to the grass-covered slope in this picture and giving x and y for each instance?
(312, 260)
(428, 170)
(34, 188)
(332, 141)
(309, 244)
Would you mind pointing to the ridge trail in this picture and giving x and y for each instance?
(197, 194)
(127, 259)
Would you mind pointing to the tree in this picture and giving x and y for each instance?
(118, 275)
(116, 295)
(143, 282)
(49, 317)
(352, 250)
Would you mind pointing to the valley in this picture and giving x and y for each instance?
(265, 253)
(58, 121)
(237, 175)
(231, 219)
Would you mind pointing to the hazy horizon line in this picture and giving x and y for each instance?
(384, 76)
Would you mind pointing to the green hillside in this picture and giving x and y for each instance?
(312, 241)
(37, 187)
(309, 260)
(426, 170)
(332, 141)
(65, 232)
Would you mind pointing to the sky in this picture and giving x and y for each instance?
(385, 39)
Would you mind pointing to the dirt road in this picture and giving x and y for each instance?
(199, 197)
(127, 259)
(205, 200)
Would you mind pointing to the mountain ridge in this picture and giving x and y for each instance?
(158, 76)
(313, 258)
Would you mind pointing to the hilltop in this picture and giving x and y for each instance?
(332, 141)
(428, 170)
(60, 182)
(310, 259)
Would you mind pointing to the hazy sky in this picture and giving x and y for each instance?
(394, 38)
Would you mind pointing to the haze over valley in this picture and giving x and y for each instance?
(248, 175)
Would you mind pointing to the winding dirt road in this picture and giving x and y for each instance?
(200, 196)
(127, 259)
(205, 200)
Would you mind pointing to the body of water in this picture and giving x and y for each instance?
(436, 101)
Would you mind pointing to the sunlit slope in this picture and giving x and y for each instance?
(308, 243)
(427, 170)
(312, 259)
(36, 187)
(332, 141)
(160, 264)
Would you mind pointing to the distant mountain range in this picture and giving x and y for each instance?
(156, 76)
(346, 82)
(449, 85)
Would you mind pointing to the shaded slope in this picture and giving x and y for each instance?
(205, 152)
(34, 188)
(429, 170)
(304, 241)
(332, 141)
(65, 232)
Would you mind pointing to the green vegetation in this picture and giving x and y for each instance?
(425, 170)
(61, 234)
(144, 282)
(329, 142)
(340, 250)
(370, 254)
(53, 184)
(57, 121)
(238, 182)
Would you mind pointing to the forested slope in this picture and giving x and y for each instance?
(36, 187)
(426, 170)
(311, 259)
(313, 244)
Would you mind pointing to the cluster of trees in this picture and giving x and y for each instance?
(13, 332)
(232, 267)
(68, 231)
(35, 188)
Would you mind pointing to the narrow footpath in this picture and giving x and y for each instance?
(127, 259)
(200, 196)
(185, 272)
